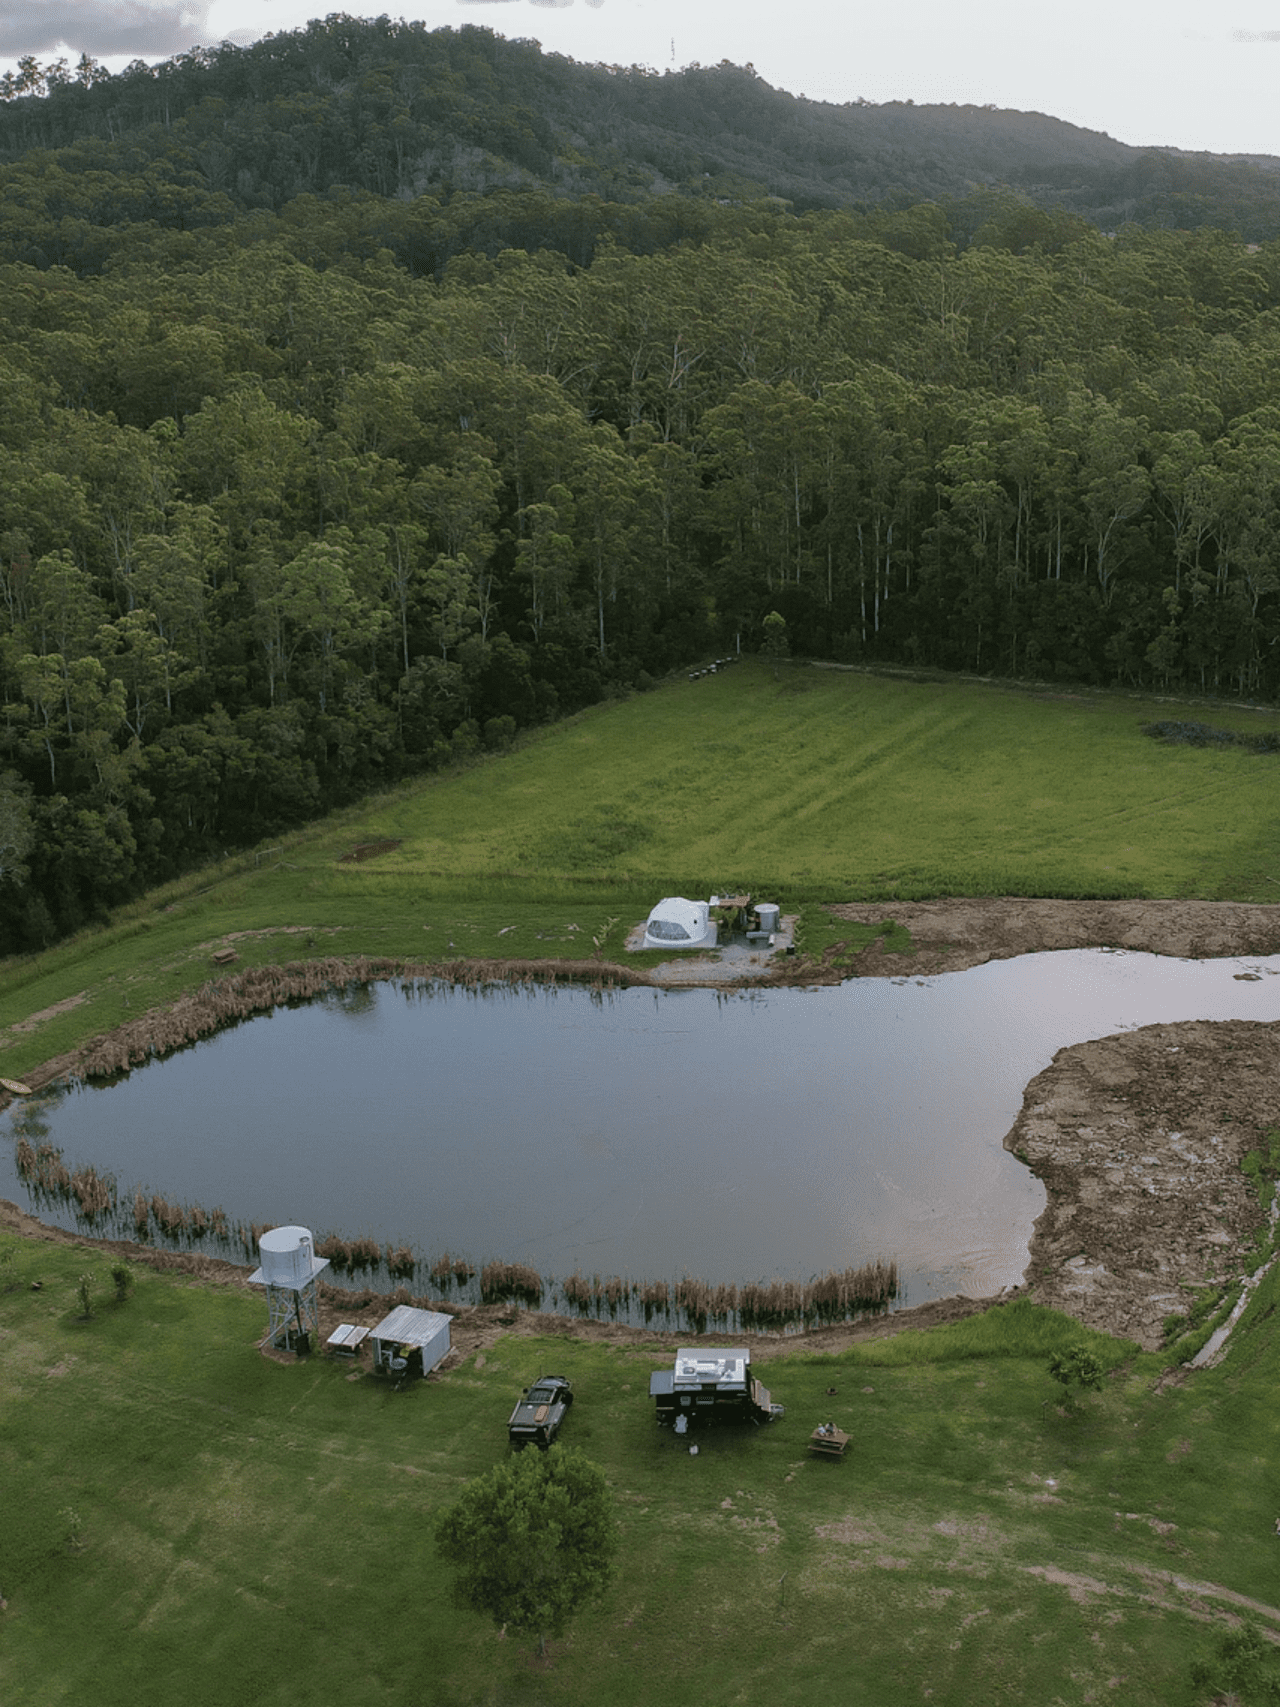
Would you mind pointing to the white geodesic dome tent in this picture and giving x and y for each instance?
(677, 923)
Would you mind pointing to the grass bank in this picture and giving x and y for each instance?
(187, 1520)
(821, 786)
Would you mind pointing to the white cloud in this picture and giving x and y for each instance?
(103, 28)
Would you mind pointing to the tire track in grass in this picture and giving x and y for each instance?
(833, 789)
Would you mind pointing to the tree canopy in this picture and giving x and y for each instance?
(532, 1540)
(392, 108)
(305, 493)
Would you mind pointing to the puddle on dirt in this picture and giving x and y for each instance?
(651, 1134)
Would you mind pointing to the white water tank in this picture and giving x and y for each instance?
(767, 913)
(287, 1256)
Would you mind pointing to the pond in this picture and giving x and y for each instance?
(648, 1134)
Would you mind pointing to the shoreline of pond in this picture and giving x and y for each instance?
(948, 935)
(1085, 1257)
(477, 1326)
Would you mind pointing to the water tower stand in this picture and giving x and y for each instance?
(291, 1311)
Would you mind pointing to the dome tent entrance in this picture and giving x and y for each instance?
(677, 923)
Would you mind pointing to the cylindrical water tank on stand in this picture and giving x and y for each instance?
(287, 1256)
(767, 913)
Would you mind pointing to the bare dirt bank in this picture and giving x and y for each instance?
(1139, 1139)
(951, 935)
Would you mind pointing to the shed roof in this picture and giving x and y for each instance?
(410, 1326)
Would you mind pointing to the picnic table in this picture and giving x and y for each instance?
(346, 1339)
(828, 1441)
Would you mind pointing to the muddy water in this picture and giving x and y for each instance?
(648, 1134)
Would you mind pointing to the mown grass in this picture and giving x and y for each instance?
(822, 786)
(256, 1531)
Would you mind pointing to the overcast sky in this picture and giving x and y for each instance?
(1183, 73)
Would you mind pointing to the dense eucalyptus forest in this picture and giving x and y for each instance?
(300, 494)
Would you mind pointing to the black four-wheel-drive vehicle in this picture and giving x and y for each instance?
(536, 1419)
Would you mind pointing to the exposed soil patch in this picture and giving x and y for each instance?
(951, 935)
(34, 1021)
(369, 850)
(1139, 1139)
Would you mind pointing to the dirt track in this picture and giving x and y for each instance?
(1138, 1138)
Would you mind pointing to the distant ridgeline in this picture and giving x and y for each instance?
(371, 393)
(396, 110)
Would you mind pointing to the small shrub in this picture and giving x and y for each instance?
(1262, 1167)
(499, 733)
(84, 1292)
(464, 743)
(71, 1526)
(1076, 1365)
(122, 1276)
(1244, 1668)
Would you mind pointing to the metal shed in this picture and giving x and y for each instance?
(410, 1342)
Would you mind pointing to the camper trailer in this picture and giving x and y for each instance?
(710, 1385)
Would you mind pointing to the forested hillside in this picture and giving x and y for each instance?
(398, 110)
(298, 499)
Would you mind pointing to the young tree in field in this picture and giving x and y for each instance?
(775, 645)
(1079, 1365)
(531, 1541)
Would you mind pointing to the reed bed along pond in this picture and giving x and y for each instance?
(759, 1306)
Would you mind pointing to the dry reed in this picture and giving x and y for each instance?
(401, 1264)
(446, 1270)
(171, 1218)
(42, 1169)
(501, 1280)
(95, 1193)
(258, 989)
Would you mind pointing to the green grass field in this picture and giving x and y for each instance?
(183, 1519)
(186, 1520)
(822, 786)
